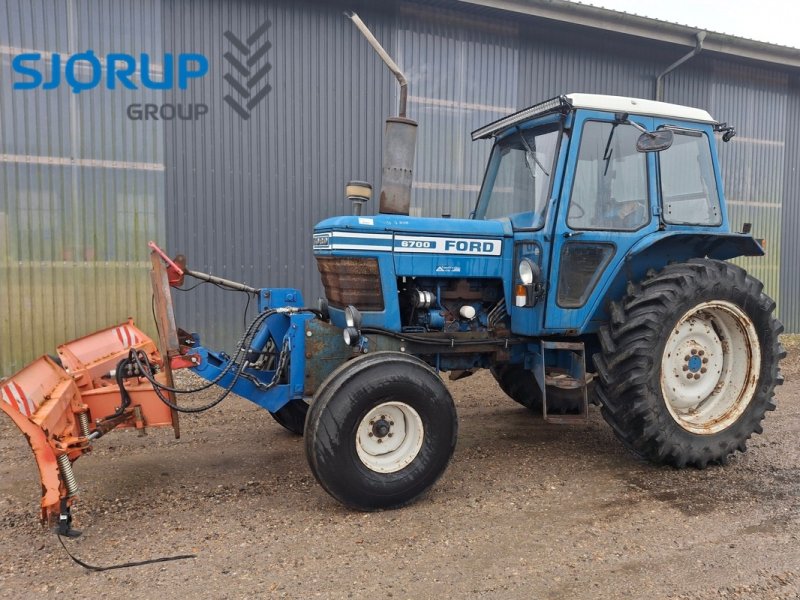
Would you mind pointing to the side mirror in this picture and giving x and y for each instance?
(655, 141)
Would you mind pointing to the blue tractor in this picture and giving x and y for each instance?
(592, 270)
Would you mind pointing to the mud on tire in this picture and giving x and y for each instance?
(654, 353)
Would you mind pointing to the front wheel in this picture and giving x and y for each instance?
(380, 431)
(689, 363)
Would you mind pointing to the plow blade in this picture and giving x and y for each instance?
(62, 408)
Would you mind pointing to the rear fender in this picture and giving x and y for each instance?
(657, 250)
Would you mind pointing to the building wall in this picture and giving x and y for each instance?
(240, 197)
(81, 186)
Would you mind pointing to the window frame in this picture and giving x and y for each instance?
(687, 131)
(647, 177)
(560, 144)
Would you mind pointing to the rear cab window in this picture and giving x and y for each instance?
(689, 194)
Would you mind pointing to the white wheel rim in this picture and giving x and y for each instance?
(389, 437)
(710, 367)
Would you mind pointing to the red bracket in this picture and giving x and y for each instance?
(184, 361)
(175, 269)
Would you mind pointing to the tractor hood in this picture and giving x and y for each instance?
(401, 231)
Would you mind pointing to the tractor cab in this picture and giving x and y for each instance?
(587, 181)
(581, 193)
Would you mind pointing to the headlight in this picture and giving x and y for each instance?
(352, 317)
(351, 336)
(527, 269)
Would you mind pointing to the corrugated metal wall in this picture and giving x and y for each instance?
(81, 186)
(240, 198)
(790, 240)
(756, 101)
(243, 196)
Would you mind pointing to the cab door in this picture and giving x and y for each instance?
(607, 203)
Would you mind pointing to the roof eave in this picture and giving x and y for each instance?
(653, 29)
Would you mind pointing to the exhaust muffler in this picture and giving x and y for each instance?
(399, 139)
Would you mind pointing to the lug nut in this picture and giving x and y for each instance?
(370, 434)
(688, 376)
(390, 434)
(705, 361)
(686, 358)
(697, 375)
(694, 351)
(380, 441)
(685, 367)
(701, 353)
(703, 370)
(391, 423)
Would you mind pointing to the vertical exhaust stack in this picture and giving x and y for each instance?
(399, 139)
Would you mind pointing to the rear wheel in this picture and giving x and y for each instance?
(689, 363)
(380, 431)
(520, 385)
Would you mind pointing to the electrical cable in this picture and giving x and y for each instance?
(451, 342)
(126, 397)
(139, 358)
(144, 369)
(189, 289)
(242, 346)
(123, 565)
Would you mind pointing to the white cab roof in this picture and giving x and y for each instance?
(612, 104)
(639, 106)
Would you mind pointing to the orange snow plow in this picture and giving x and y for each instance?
(63, 404)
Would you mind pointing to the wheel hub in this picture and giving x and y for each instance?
(709, 367)
(389, 437)
(381, 428)
(694, 363)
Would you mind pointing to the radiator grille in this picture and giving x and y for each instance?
(355, 281)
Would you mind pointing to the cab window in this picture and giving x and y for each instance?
(689, 192)
(519, 176)
(610, 187)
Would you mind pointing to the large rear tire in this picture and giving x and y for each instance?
(520, 385)
(689, 363)
(380, 431)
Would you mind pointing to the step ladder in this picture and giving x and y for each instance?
(573, 377)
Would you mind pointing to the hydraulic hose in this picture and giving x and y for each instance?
(143, 365)
(452, 342)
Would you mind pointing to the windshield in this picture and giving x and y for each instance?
(518, 177)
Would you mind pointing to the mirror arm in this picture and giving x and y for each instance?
(625, 118)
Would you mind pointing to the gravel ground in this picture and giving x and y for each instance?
(526, 510)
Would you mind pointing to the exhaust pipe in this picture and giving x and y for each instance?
(399, 139)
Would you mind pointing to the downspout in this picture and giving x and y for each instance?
(701, 35)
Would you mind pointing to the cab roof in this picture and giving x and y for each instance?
(615, 104)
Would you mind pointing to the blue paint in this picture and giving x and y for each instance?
(279, 329)
(695, 362)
